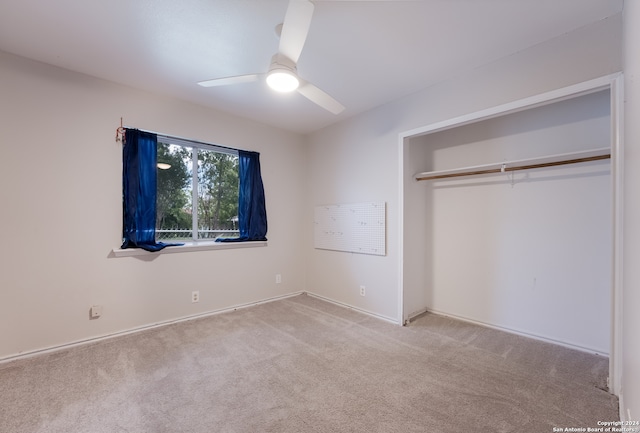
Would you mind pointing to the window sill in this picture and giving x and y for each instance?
(188, 247)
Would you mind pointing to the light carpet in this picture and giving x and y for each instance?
(305, 365)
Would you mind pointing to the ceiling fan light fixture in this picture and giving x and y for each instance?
(282, 74)
(282, 80)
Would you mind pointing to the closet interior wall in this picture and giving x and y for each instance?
(527, 251)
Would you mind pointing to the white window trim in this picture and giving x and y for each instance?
(196, 146)
(195, 245)
(185, 142)
(188, 247)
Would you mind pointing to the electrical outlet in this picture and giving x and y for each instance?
(362, 290)
(278, 278)
(95, 311)
(195, 296)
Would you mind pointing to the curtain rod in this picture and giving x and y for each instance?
(121, 130)
(505, 168)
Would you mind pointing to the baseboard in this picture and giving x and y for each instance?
(521, 333)
(413, 316)
(395, 321)
(621, 411)
(625, 412)
(351, 307)
(99, 338)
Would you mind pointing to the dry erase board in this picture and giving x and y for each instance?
(356, 228)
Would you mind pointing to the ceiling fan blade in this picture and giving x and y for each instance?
(295, 28)
(229, 80)
(320, 98)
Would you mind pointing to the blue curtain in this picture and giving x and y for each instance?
(139, 184)
(252, 213)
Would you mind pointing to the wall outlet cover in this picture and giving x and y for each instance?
(95, 311)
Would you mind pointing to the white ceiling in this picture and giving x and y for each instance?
(363, 53)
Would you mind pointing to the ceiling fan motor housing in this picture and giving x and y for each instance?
(283, 74)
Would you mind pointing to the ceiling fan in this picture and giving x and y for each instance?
(282, 75)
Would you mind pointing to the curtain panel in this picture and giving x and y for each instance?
(139, 184)
(252, 213)
(139, 193)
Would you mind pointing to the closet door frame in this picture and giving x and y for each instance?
(614, 83)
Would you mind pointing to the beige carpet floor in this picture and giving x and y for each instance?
(305, 365)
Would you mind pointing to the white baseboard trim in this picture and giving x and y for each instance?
(415, 314)
(395, 321)
(65, 346)
(521, 333)
(351, 307)
(621, 411)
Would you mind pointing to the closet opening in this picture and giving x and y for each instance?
(498, 229)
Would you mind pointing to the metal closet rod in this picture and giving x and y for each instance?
(505, 168)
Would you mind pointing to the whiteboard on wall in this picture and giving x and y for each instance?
(355, 228)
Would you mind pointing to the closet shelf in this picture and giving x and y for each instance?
(522, 164)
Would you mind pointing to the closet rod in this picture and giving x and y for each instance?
(505, 168)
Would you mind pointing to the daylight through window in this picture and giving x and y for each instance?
(196, 207)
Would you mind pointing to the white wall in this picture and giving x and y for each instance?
(61, 216)
(528, 251)
(61, 194)
(630, 395)
(358, 160)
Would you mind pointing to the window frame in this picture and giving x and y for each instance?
(202, 245)
(196, 145)
(195, 244)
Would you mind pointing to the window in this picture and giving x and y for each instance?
(200, 207)
(187, 190)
